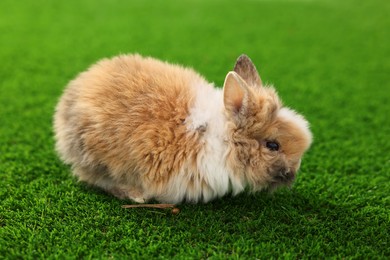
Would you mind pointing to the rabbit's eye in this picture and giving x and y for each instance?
(272, 145)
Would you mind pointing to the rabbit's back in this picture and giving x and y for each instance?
(126, 115)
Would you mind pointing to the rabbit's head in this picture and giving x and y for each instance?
(266, 140)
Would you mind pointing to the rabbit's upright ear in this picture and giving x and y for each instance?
(247, 70)
(235, 94)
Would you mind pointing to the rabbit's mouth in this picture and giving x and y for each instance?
(282, 177)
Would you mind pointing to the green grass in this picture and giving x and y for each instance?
(328, 60)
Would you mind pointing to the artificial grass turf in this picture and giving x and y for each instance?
(328, 60)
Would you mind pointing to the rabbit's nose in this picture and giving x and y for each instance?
(289, 175)
(285, 175)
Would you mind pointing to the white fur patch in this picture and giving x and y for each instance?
(290, 115)
(208, 107)
(207, 117)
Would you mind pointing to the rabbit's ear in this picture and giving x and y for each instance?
(247, 70)
(235, 94)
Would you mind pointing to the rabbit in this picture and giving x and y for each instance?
(144, 129)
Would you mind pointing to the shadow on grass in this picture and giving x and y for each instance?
(293, 219)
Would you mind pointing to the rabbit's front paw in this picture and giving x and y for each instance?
(126, 193)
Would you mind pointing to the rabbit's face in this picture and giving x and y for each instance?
(266, 140)
(281, 146)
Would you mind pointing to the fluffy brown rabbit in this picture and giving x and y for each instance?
(144, 129)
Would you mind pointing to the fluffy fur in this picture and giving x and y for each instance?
(144, 129)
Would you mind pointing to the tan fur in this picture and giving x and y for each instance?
(123, 125)
(125, 97)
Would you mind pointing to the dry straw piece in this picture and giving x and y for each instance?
(174, 211)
